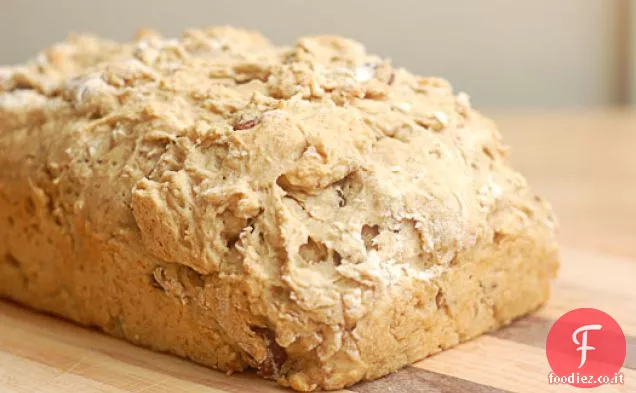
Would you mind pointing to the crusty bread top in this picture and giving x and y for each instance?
(318, 168)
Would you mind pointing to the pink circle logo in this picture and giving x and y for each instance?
(586, 348)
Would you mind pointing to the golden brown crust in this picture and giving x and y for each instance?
(310, 211)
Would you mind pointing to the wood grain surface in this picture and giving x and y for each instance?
(584, 163)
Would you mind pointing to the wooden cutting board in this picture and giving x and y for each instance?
(585, 164)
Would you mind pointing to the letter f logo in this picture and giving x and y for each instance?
(584, 347)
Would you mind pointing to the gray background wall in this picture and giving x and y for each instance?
(509, 54)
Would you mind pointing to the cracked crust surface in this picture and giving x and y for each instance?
(310, 211)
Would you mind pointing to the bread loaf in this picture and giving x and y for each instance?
(311, 211)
